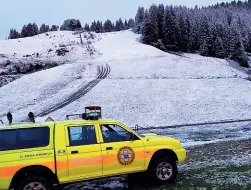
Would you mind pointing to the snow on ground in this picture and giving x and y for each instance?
(42, 43)
(206, 134)
(146, 86)
(44, 48)
(37, 91)
(163, 89)
(124, 45)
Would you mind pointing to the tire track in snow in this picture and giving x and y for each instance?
(103, 72)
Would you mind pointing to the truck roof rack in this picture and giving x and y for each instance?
(91, 113)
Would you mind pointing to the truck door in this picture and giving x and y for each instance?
(121, 154)
(84, 152)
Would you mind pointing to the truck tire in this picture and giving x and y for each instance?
(34, 183)
(163, 171)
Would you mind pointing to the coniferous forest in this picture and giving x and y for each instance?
(222, 30)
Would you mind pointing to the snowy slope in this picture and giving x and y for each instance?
(124, 45)
(43, 49)
(146, 86)
(149, 87)
(37, 91)
(43, 42)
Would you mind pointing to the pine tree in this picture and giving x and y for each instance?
(87, 27)
(78, 24)
(119, 25)
(153, 16)
(16, 34)
(229, 16)
(223, 30)
(193, 44)
(93, 26)
(206, 39)
(131, 23)
(99, 27)
(219, 48)
(239, 3)
(146, 15)
(11, 35)
(160, 16)
(108, 26)
(204, 48)
(234, 3)
(24, 32)
(47, 28)
(244, 31)
(30, 30)
(188, 31)
(139, 18)
(237, 50)
(249, 3)
(70, 25)
(44, 28)
(171, 32)
(54, 28)
(35, 28)
(234, 36)
(249, 41)
(184, 30)
(126, 25)
(149, 34)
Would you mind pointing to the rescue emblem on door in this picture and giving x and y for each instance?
(126, 156)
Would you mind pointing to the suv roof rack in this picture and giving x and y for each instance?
(91, 113)
(82, 116)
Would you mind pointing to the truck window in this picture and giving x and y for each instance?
(24, 138)
(82, 135)
(114, 133)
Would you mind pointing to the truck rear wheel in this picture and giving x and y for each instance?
(163, 171)
(34, 183)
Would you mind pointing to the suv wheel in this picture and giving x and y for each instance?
(34, 183)
(163, 171)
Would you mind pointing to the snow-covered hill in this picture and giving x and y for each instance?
(145, 86)
(46, 50)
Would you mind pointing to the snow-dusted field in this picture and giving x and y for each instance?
(46, 45)
(146, 86)
(39, 90)
(157, 88)
(46, 50)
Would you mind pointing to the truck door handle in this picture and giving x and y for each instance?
(109, 148)
(74, 152)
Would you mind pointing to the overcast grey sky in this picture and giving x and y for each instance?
(16, 13)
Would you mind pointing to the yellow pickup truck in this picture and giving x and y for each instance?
(49, 155)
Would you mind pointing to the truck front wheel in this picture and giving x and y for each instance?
(34, 183)
(163, 171)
